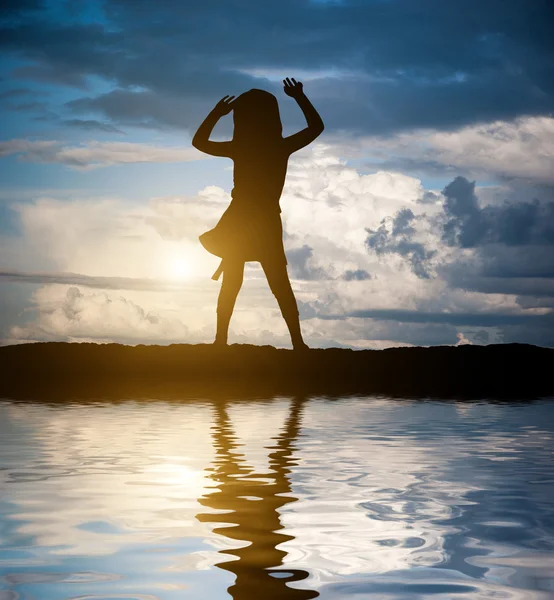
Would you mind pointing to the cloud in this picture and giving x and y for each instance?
(522, 148)
(103, 237)
(373, 66)
(466, 276)
(95, 154)
(481, 265)
(512, 224)
(429, 197)
(510, 239)
(399, 241)
(359, 332)
(463, 341)
(18, 92)
(407, 286)
(105, 283)
(482, 319)
(299, 260)
(462, 93)
(34, 106)
(11, 8)
(70, 314)
(356, 275)
(141, 245)
(92, 125)
(10, 147)
(146, 109)
(327, 206)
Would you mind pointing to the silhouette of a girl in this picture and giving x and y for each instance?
(251, 229)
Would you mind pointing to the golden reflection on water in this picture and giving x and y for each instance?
(248, 504)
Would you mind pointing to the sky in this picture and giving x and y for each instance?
(423, 215)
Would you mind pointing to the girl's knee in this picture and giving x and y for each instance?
(231, 282)
(230, 289)
(276, 275)
(282, 289)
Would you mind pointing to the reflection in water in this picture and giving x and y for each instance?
(251, 502)
(351, 498)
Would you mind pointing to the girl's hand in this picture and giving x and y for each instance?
(224, 106)
(293, 88)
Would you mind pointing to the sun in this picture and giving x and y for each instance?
(179, 268)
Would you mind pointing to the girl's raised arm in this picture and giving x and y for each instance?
(315, 127)
(201, 140)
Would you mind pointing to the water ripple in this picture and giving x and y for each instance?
(277, 498)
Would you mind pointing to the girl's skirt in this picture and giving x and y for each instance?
(246, 233)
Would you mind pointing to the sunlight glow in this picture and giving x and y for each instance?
(179, 268)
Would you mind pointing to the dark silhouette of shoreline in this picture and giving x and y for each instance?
(58, 370)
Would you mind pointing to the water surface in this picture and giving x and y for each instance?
(277, 498)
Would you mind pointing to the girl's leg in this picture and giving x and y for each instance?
(278, 279)
(232, 281)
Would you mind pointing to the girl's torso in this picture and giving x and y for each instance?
(259, 175)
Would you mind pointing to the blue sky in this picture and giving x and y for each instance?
(423, 215)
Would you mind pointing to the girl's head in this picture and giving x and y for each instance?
(256, 117)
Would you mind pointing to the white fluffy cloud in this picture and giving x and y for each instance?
(328, 205)
(95, 154)
(70, 314)
(523, 148)
(330, 212)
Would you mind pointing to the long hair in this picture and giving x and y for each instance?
(256, 118)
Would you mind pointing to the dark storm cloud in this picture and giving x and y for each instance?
(64, 54)
(146, 108)
(513, 224)
(18, 92)
(482, 319)
(469, 277)
(301, 268)
(534, 302)
(430, 63)
(402, 103)
(14, 8)
(513, 242)
(432, 328)
(511, 239)
(531, 261)
(399, 241)
(508, 249)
